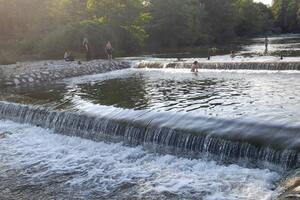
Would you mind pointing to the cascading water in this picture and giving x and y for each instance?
(227, 65)
(37, 164)
(224, 140)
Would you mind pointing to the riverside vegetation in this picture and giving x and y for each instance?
(43, 29)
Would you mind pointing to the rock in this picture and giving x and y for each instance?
(9, 83)
(16, 81)
(31, 80)
(5, 135)
(45, 73)
(291, 187)
(54, 70)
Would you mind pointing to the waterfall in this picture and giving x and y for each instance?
(228, 65)
(264, 146)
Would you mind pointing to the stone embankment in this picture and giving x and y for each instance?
(46, 71)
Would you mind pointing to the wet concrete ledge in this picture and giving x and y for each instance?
(46, 71)
(230, 65)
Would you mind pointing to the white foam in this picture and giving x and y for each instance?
(103, 167)
(103, 76)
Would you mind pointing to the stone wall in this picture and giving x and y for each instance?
(46, 71)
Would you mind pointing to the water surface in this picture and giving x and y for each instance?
(287, 45)
(35, 163)
(261, 96)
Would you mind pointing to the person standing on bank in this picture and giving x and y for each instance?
(87, 50)
(109, 50)
(266, 44)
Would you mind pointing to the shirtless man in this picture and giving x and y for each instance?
(195, 67)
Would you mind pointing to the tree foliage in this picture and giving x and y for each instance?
(287, 15)
(175, 23)
(253, 18)
(48, 27)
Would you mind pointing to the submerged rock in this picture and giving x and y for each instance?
(16, 82)
(290, 187)
(5, 135)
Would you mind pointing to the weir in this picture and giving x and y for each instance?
(35, 73)
(224, 140)
(225, 65)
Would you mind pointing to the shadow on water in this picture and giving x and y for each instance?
(43, 94)
(138, 93)
(125, 93)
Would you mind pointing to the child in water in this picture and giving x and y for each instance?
(195, 67)
(232, 54)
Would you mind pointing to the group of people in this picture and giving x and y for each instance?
(87, 49)
(109, 51)
(195, 65)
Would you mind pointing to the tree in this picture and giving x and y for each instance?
(221, 20)
(253, 18)
(286, 13)
(175, 23)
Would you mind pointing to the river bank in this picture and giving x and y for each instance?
(46, 71)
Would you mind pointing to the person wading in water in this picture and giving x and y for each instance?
(86, 47)
(109, 50)
(195, 67)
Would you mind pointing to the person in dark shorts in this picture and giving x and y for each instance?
(109, 50)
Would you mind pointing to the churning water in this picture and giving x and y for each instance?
(37, 164)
